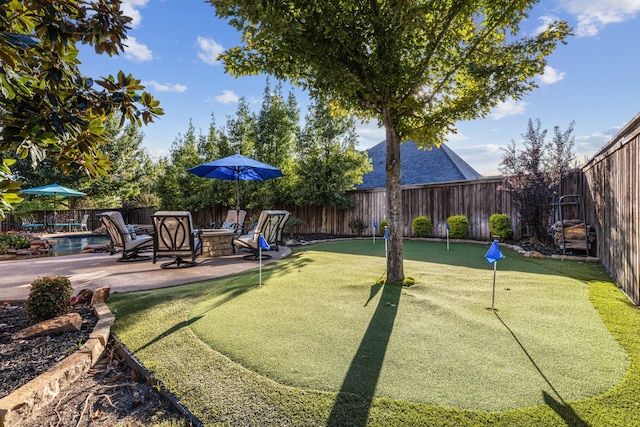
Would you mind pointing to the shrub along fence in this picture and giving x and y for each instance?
(477, 200)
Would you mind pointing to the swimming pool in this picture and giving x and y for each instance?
(69, 245)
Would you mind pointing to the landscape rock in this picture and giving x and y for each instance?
(82, 297)
(536, 254)
(100, 295)
(90, 249)
(67, 322)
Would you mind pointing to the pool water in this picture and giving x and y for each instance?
(74, 244)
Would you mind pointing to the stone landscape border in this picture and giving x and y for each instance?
(26, 401)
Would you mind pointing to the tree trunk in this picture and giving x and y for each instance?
(395, 269)
(323, 221)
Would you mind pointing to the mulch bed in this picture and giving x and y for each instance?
(110, 393)
(22, 360)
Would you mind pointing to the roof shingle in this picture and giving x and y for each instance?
(419, 166)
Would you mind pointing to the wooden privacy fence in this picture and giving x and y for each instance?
(611, 186)
(477, 200)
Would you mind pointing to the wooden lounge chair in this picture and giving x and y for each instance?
(124, 238)
(174, 237)
(270, 226)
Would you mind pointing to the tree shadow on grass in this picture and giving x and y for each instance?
(353, 403)
(559, 406)
(174, 328)
(228, 292)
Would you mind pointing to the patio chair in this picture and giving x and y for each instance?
(124, 238)
(270, 226)
(174, 237)
(61, 223)
(31, 225)
(80, 225)
(232, 222)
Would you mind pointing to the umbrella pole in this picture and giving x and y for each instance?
(238, 202)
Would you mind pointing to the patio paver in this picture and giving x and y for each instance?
(93, 271)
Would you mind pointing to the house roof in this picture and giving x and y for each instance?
(419, 166)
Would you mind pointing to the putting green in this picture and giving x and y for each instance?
(321, 322)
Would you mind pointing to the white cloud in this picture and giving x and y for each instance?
(589, 144)
(546, 21)
(507, 108)
(165, 87)
(209, 50)
(130, 8)
(227, 97)
(137, 52)
(456, 137)
(369, 134)
(484, 158)
(594, 15)
(158, 153)
(550, 76)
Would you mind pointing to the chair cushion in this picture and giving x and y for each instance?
(141, 241)
(229, 226)
(132, 231)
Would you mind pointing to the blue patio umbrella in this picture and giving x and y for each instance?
(237, 168)
(53, 190)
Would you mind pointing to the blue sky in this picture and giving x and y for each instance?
(593, 80)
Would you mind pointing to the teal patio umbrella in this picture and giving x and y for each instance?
(54, 190)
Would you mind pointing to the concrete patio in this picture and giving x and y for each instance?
(92, 271)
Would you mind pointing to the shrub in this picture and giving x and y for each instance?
(422, 226)
(357, 226)
(49, 297)
(533, 175)
(459, 226)
(382, 226)
(292, 224)
(15, 240)
(499, 225)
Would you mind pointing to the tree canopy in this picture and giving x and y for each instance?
(327, 162)
(48, 109)
(416, 67)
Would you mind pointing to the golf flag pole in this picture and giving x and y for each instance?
(386, 237)
(493, 294)
(375, 227)
(492, 256)
(262, 243)
(448, 229)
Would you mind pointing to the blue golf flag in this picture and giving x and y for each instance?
(263, 243)
(386, 234)
(494, 253)
(448, 228)
(375, 226)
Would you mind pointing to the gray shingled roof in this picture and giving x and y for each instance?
(418, 166)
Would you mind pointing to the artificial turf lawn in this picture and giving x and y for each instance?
(321, 323)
